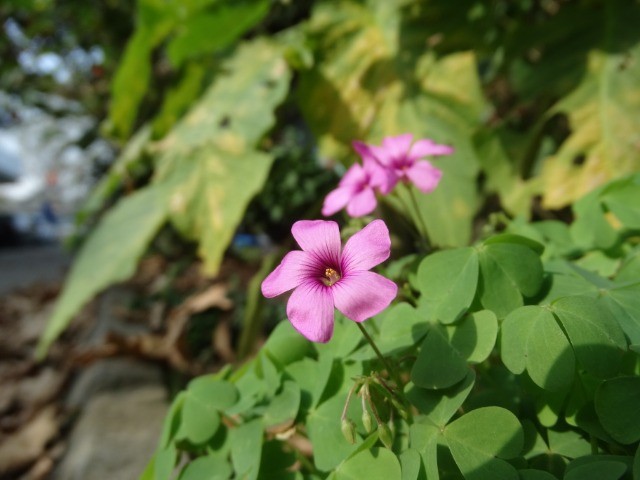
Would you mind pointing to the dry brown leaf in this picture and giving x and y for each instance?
(222, 343)
(214, 296)
(25, 446)
(34, 392)
(40, 470)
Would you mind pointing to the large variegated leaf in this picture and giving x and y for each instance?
(354, 74)
(110, 255)
(206, 31)
(374, 78)
(194, 28)
(447, 109)
(604, 114)
(155, 20)
(208, 171)
(210, 157)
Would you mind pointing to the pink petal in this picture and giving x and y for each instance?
(382, 155)
(337, 199)
(398, 146)
(379, 176)
(366, 248)
(362, 203)
(354, 176)
(390, 180)
(363, 294)
(294, 269)
(426, 147)
(363, 150)
(310, 311)
(320, 237)
(424, 176)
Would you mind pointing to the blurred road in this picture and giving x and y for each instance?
(24, 266)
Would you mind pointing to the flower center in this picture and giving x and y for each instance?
(330, 277)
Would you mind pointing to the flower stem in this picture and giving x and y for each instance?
(420, 220)
(343, 417)
(381, 357)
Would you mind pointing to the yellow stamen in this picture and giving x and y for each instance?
(330, 277)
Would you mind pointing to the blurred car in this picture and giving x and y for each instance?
(44, 174)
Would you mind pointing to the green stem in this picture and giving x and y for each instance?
(382, 359)
(422, 226)
(346, 404)
(252, 321)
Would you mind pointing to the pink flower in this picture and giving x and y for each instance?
(323, 275)
(403, 160)
(356, 188)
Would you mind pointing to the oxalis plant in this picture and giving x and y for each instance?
(513, 358)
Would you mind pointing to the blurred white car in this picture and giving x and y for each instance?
(44, 174)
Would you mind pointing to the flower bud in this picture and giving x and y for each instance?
(366, 420)
(349, 430)
(384, 434)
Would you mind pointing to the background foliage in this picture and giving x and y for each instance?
(534, 330)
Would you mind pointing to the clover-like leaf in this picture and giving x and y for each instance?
(531, 339)
(481, 439)
(508, 271)
(205, 398)
(447, 281)
(624, 303)
(441, 405)
(246, 449)
(209, 467)
(284, 406)
(596, 337)
(374, 464)
(601, 467)
(475, 335)
(438, 365)
(402, 327)
(423, 436)
(616, 403)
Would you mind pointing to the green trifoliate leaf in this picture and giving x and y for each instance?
(596, 337)
(447, 281)
(283, 408)
(402, 328)
(529, 474)
(475, 335)
(616, 403)
(624, 303)
(481, 439)
(374, 464)
(600, 467)
(532, 339)
(210, 467)
(246, 449)
(441, 405)
(423, 436)
(438, 365)
(324, 427)
(508, 271)
(411, 464)
(205, 398)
